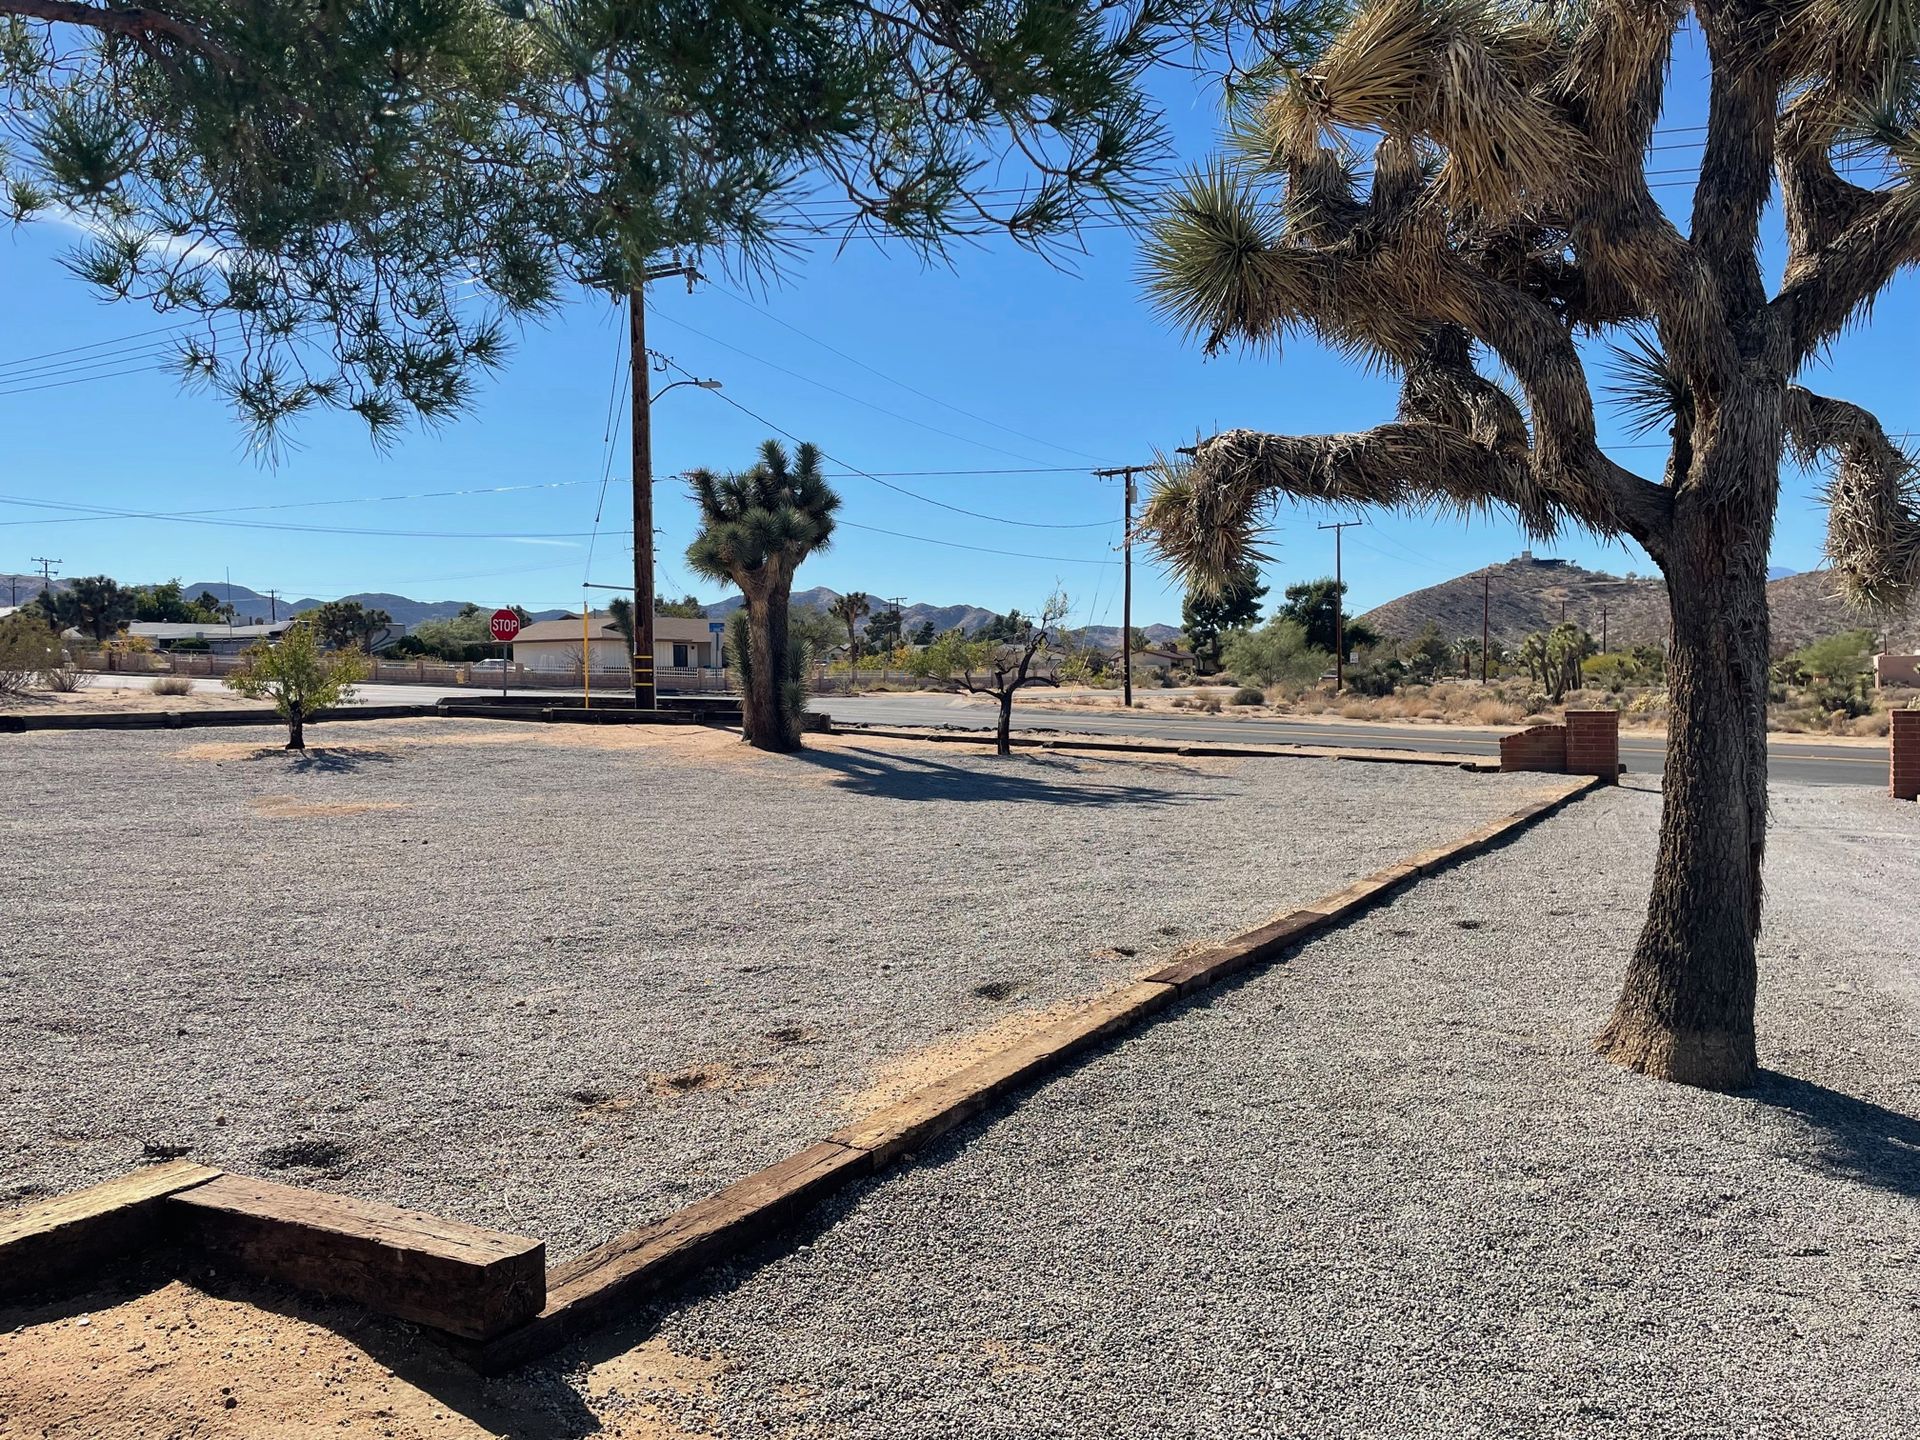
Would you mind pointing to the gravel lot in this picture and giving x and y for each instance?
(532, 977)
(1387, 1191)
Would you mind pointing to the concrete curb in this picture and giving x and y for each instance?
(190, 719)
(1484, 764)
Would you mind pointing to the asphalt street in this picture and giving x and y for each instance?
(1801, 761)
(1804, 762)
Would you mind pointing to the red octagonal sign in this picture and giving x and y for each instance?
(504, 625)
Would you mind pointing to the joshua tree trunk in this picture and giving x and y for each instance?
(1686, 1010)
(1003, 744)
(296, 726)
(853, 658)
(769, 726)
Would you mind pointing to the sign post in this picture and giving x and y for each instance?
(504, 625)
(717, 629)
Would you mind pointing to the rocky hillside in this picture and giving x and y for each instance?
(1528, 594)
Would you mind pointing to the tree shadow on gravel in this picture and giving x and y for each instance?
(1851, 1137)
(321, 761)
(910, 777)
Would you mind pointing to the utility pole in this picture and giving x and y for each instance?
(1603, 629)
(1126, 472)
(46, 571)
(1486, 608)
(273, 604)
(893, 633)
(1339, 604)
(645, 695)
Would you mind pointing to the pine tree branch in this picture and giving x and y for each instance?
(139, 22)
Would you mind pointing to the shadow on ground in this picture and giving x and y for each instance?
(896, 776)
(1851, 1137)
(318, 760)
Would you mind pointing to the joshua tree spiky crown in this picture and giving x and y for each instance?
(757, 526)
(1508, 214)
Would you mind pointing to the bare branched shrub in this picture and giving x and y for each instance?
(172, 685)
(64, 677)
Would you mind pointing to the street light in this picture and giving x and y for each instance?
(703, 384)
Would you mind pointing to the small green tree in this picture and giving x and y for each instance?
(1276, 652)
(1000, 668)
(756, 528)
(299, 676)
(28, 649)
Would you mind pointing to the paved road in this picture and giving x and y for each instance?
(1789, 760)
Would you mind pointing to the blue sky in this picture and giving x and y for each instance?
(998, 362)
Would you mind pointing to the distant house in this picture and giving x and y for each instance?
(1155, 658)
(555, 645)
(1896, 670)
(217, 638)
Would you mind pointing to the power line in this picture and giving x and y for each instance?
(847, 395)
(895, 380)
(106, 513)
(977, 549)
(869, 475)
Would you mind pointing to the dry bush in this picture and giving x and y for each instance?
(1495, 712)
(1879, 723)
(1248, 695)
(172, 685)
(63, 677)
(1208, 703)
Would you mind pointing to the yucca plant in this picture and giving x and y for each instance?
(755, 529)
(1507, 214)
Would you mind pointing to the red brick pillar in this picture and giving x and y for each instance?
(1904, 754)
(1593, 743)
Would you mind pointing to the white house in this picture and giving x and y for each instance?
(218, 637)
(555, 645)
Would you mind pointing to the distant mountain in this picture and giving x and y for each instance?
(965, 618)
(1529, 593)
(1780, 572)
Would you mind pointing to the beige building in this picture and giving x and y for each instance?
(555, 646)
(1896, 670)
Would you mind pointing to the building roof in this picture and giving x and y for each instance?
(665, 627)
(201, 630)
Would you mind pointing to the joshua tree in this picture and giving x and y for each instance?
(1000, 668)
(299, 677)
(95, 605)
(849, 608)
(1508, 215)
(344, 623)
(1208, 614)
(755, 529)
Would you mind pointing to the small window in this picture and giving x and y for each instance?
(680, 661)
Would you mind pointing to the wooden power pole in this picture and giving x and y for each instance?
(1126, 472)
(645, 695)
(1339, 604)
(1486, 608)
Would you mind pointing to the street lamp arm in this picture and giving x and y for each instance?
(702, 384)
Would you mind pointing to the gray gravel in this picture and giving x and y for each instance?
(1386, 1190)
(466, 1002)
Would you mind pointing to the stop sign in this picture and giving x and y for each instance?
(504, 625)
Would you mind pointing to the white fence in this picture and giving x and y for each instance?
(685, 681)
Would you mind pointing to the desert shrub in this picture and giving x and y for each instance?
(1495, 712)
(1612, 671)
(172, 685)
(1374, 674)
(1277, 651)
(1876, 724)
(1248, 695)
(1207, 703)
(63, 676)
(27, 649)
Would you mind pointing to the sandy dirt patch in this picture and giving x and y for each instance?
(180, 1361)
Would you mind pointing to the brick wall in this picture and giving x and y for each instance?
(1593, 743)
(1542, 747)
(1904, 761)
